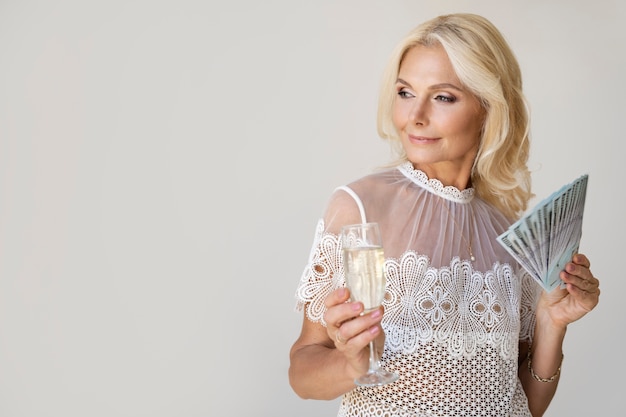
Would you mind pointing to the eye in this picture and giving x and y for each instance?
(403, 93)
(445, 98)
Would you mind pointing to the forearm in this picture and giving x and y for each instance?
(320, 372)
(540, 381)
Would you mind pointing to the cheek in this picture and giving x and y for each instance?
(476, 119)
(470, 123)
(399, 115)
(475, 125)
(471, 132)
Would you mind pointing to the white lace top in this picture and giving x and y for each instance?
(452, 325)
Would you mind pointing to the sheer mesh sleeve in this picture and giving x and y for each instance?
(322, 274)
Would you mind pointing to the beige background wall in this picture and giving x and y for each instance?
(163, 164)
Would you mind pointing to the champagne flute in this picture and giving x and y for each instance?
(364, 267)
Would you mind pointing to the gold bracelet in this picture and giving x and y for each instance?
(537, 377)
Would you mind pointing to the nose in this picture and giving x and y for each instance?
(419, 112)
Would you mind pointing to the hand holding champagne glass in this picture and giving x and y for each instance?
(363, 260)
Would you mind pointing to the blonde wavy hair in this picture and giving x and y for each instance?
(486, 65)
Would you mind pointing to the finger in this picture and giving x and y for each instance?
(587, 300)
(581, 259)
(580, 277)
(352, 329)
(339, 310)
(364, 337)
(339, 340)
(579, 269)
(340, 295)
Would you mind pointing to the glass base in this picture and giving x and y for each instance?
(376, 378)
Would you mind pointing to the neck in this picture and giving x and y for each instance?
(459, 178)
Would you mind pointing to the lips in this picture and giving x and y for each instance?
(422, 139)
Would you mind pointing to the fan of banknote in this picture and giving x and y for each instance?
(545, 239)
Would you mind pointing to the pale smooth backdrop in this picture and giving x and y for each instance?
(163, 164)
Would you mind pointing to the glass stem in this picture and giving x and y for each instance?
(374, 364)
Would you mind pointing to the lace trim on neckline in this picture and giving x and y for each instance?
(435, 186)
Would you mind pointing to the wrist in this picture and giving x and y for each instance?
(554, 376)
(544, 323)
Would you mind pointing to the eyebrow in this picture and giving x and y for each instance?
(433, 87)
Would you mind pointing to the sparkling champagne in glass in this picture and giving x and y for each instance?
(364, 267)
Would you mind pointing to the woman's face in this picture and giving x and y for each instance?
(438, 120)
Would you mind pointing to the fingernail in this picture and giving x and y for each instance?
(376, 314)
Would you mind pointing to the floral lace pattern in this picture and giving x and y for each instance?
(323, 274)
(455, 305)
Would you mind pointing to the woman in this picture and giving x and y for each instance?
(466, 328)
